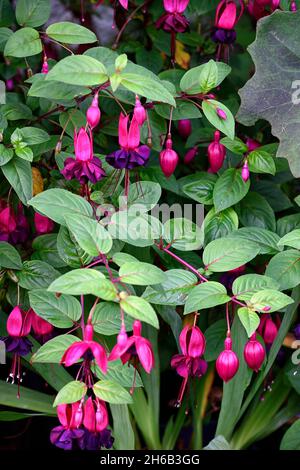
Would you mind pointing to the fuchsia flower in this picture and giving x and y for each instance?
(260, 8)
(43, 224)
(168, 158)
(139, 112)
(184, 128)
(174, 20)
(42, 329)
(245, 172)
(190, 155)
(134, 349)
(85, 167)
(268, 328)
(45, 66)
(14, 227)
(293, 6)
(67, 435)
(95, 415)
(227, 363)
(216, 153)
(131, 154)
(254, 353)
(93, 114)
(252, 144)
(87, 349)
(192, 344)
(227, 16)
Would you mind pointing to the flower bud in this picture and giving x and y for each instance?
(184, 128)
(190, 155)
(168, 159)
(267, 328)
(93, 113)
(192, 341)
(216, 153)
(45, 66)
(293, 6)
(252, 144)
(227, 363)
(254, 353)
(245, 172)
(221, 113)
(122, 337)
(139, 112)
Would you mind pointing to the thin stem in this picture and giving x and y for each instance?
(227, 319)
(117, 101)
(130, 17)
(82, 314)
(184, 263)
(60, 44)
(170, 120)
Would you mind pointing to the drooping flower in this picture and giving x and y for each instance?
(245, 172)
(192, 344)
(216, 153)
(293, 6)
(68, 436)
(139, 112)
(173, 20)
(14, 227)
(131, 154)
(267, 328)
(260, 8)
(85, 167)
(168, 158)
(87, 349)
(184, 128)
(95, 415)
(227, 16)
(45, 66)
(252, 144)
(93, 114)
(254, 353)
(227, 363)
(43, 224)
(190, 155)
(134, 349)
(41, 328)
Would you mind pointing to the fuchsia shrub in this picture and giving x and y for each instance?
(149, 230)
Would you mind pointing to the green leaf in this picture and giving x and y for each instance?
(107, 319)
(144, 193)
(55, 203)
(32, 12)
(255, 211)
(173, 290)
(51, 90)
(140, 309)
(105, 290)
(25, 153)
(183, 234)
(45, 249)
(270, 298)
(77, 282)
(18, 174)
(52, 351)
(183, 110)
(229, 189)
(199, 187)
(148, 87)
(23, 43)
(291, 239)
(29, 136)
(138, 230)
(291, 439)
(117, 372)
(31, 399)
(193, 80)
(245, 286)
(249, 319)
(268, 95)
(227, 125)
(285, 268)
(60, 311)
(111, 392)
(236, 145)
(70, 33)
(6, 154)
(206, 295)
(260, 161)
(266, 240)
(36, 275)
(225, 254)
(140, 274)
(214, 336)
(93, 238)
(122, 258)
(218, 443)
(9, 257)
(16, 111)
(71, 393)
(221, 224)
(123, 432)
(78, 70)
(69, 251)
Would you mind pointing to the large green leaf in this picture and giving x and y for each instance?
(245, 286)
(220, 224)
(141, 274)
(183, 234)
(70, 33)
(285, 268)
(78, 70)
(203, 78)
(32, 12)
(291, 239)
(52, 351)
(93, 238)
(227, 126)
(270, 299)
(173, 290)
(78, 281)
(36, 275)
(229, 189)
(9, 257)
(71, 392)
(31, 399)
(140, 309)
(225, 254)
(206, 295)
(249, 320)
(61, 311)
(69, 250)
(56, 203)
(111, 392)
(269, 93)
(146, 86)
(23, 43)
(107, 319)
(18, 173)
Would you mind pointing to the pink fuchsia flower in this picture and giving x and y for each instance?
(245, 172)
(267, 328)
(216, 153)
(173, 20)
(85, 167)
(293, 6)
(45, 66)
(227, 16)
(68, 436)
(131, 154)
(124, 3)
(93, 114)
(139, 112)
(260, 8)
(95, 415)
(87, 349)
(8, 223)
(190, 155)
(43, 224)
(133, 349)
(192, 344)
(252, 144)
(184, 128)
(227, 363)
(14, 227)
(254, 353)
(42, 329)
(168, 158)
(18, 323)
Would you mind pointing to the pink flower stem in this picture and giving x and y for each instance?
(184, 263)
(227, 319)
(82, 314)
